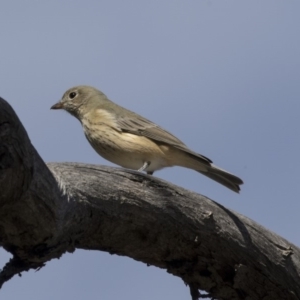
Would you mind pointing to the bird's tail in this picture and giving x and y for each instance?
(187, 158)
(223, 177)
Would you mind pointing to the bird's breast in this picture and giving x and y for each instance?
(125, 149)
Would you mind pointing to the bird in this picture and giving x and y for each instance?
(132, 141)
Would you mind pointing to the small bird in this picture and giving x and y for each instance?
(131, 141)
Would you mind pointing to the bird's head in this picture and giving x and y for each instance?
(80, 100)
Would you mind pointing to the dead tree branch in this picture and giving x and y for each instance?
(46, 211)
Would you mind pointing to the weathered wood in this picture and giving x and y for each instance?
(46, 211)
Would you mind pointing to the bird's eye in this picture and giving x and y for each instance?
(72, 95)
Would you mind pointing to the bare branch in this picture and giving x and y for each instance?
(44, 214)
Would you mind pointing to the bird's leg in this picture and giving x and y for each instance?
(145, 166)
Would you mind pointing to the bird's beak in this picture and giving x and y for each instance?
(58, 105)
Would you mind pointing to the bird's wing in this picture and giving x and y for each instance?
(138, 125)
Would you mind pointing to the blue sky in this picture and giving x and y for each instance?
(223, 76)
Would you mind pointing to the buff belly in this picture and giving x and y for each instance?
(129, 150)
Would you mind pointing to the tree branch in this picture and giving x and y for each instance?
(47, 211)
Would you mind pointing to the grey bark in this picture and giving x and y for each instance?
(47, 210)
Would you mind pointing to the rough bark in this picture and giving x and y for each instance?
(47, 210)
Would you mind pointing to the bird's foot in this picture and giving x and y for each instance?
(145, 166)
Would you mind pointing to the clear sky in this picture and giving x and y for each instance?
(223, 76)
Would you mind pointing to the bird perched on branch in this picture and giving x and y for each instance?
(131, 141)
